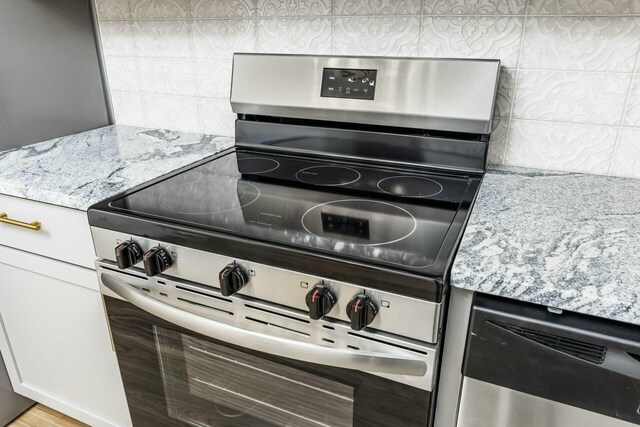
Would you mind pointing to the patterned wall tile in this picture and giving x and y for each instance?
(222, 8)
(122, 73)
(127, 108)
(155, 9)
(220, 38)
(398, 36)
(217, 117)
(377, 7)
(576, 97)
(566, 146)
(626, 161)
(632, 116)
(498, 143)
(504, 97)
(168, 76)
(280, 8)
(472, 37)
(171, 112)
(112, 9)
(287, 35)
(474, 7)
(584, 7)
(214, 78)
(116, 38)
(169, 39)
(581, 43)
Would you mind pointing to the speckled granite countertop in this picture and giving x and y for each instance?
(79, 170)
(564, 240)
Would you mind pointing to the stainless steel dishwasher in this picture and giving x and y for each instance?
(528, 366)
(11, 403)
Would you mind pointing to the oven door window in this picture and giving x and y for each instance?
(242, 389)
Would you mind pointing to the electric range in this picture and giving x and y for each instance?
(300, 278)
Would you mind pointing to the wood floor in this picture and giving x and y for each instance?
(41, 416)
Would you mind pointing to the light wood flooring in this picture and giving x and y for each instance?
(41, 416)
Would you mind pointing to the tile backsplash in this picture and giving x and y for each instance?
(569, 93)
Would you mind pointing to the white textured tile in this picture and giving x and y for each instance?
(220, 38)
(159, 9)
(162, 38)
(222, 8)
(472, 37)
(626, 161)
(116, 37)
(279, 8)
(557, 145)
(112, 9)
(632, 116)
(581, 43)
(398, 36)
(571, 96)
(504, 97)
(294, 35)
(122, 73)
(377, 7)
(217, 117)
(474, 7)
(498, 142)
(127, 108)
(584, 7)
(168, 76)
(214, 78)
(171, 112)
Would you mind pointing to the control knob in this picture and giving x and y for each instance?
(156, 260)
(232, 279)
(128, 254)
(320, 301)
(361, 310)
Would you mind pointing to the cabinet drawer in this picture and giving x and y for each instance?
(64, 234)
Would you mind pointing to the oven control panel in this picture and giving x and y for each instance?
(348, 83)
(357, 305)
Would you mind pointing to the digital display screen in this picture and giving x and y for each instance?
(348, 83)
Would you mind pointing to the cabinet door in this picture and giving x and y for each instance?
(55, 339)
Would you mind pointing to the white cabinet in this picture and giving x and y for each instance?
(53, 330)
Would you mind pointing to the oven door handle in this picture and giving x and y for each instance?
(312, 353)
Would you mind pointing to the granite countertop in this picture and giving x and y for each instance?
(79, 170)
(564, 240)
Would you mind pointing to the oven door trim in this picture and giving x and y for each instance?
(277, 346)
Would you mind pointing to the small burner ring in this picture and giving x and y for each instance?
(339, 175)
(410, 186)
(261, 165)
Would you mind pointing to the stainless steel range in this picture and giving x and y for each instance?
(300, 278)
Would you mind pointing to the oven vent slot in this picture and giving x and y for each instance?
(204, 305)
(275, 313)
(634, 356)
(201, 293)
(387, 343)
(262, 322)
(581, 349)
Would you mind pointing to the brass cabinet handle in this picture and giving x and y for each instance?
(35, 225)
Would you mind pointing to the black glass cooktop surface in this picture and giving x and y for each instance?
(365, 213)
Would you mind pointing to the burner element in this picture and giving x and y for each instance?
(329, 175)
(359, 222)
(222, 195)
(410, 186)
(257, 165)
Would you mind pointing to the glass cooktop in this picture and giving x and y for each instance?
(386, 215)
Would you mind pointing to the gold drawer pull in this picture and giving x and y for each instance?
(35, 225)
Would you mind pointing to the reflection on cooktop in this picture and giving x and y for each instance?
(328, 175)
(410, 186)
(216, 195)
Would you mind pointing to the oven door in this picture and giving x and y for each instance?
(190, 357)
